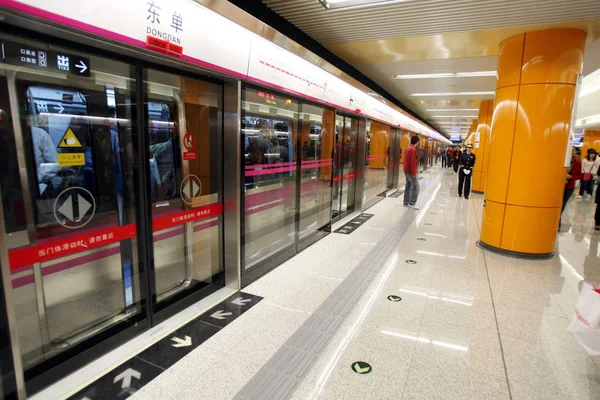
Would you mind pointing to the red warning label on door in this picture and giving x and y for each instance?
(60, 248)
(189, 142)
(180, 218)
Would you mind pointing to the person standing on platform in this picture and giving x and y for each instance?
(573, 175)
(411, 168)
(449, 155)
(456, 158)
(444, 155)
(588, 170)
(597, 214)
(467, 162)
(596, 171)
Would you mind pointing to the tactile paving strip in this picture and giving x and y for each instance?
(278, 378)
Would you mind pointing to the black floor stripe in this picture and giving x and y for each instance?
(135, 373)
(396, 194)
(354, 224)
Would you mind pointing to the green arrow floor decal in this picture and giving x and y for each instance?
(361, 367)
(394, 298)
(411, 262)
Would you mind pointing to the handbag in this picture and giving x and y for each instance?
(587, 177)
(585, 324)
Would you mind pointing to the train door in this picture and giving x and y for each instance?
(183, 131)
(344, 180)
(69, 198)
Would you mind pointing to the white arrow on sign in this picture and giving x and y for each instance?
(240, 301)
(182, 342)
(126, 377)
(66, 208)
(220, 314)
(191, 189)
(81, 67)
(60, 108)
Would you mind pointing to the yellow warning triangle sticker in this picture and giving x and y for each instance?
(69, 140)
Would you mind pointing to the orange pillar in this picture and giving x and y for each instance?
(537, 75)
(472, 132)
(480, 142)
(591, 140)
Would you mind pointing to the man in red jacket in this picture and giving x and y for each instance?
(411, 168)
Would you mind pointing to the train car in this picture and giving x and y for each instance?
(149, 164)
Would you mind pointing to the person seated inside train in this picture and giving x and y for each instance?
(46, 161)
(161, 148)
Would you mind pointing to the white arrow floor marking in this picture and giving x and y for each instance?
(240, 301)
(126, 377)
(182, 342)
(220, 314)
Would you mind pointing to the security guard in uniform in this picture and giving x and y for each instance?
(467, 163)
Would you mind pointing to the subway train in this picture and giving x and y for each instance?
(141, 174)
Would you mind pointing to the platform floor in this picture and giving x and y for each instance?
(470, 324)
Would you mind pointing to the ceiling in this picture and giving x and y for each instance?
(412, 37)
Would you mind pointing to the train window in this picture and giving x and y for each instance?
(269, 133)
(71, 234)
(184, 131)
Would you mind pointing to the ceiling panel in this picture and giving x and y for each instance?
(426, 17)
(437, 36)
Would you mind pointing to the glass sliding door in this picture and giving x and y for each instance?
(184, 135)
(394, 165)
(344, 180)
(317, 130)
(269, 133)
(69, 195)
(376, 161)
(338, 168)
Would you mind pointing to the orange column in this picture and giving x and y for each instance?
(472, 131)
(480, 142)
(591, 140)
(537, 75)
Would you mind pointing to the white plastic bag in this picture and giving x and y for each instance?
(466, 171)
(585, 323)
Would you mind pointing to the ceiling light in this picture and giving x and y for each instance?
(454, 116)
(453, 94)
(334, 4)
(475, 74)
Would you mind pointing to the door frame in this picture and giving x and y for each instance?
(48, 371)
